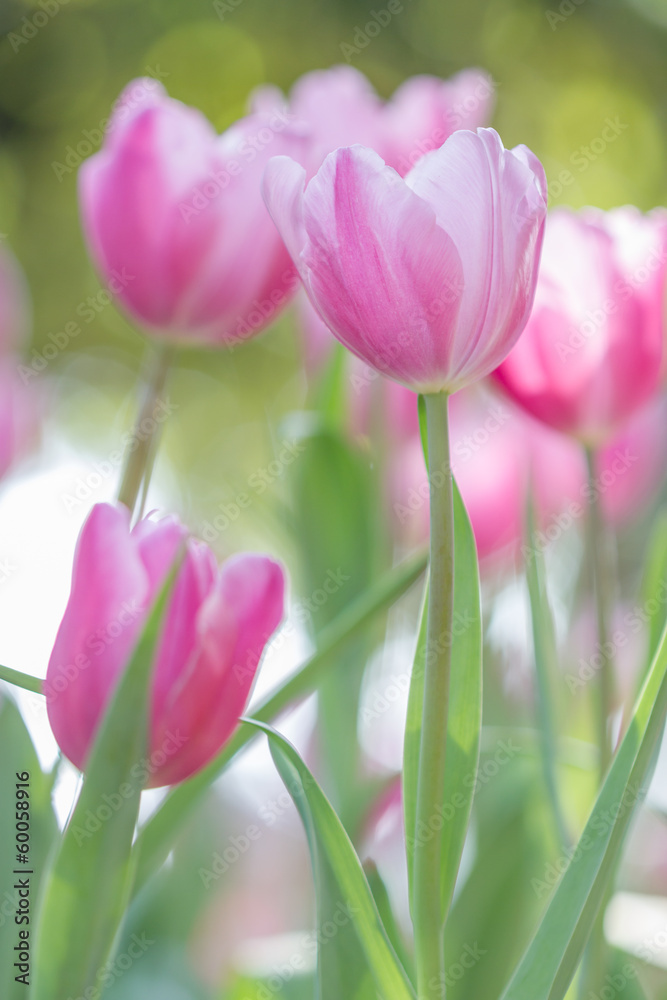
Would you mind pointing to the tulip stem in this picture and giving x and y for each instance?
(143, 443)
(599, 548)
(428, 911)
(602, 565)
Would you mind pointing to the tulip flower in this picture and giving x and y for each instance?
(21, 410)
(428, 279)
(175, 221)
(216, 626)
(592, 351)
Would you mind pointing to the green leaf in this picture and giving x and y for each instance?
(551, 960)
(17, 755)
(328, 840)
(156, 839)
(89, 886)
(654, 583)
(465, 712)
(544, 645)
(331, 397)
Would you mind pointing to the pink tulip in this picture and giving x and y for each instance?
(21, 411)
(631, 467)
(430, 279)
(14, 303)
(592, 350)
(340, 108)
(175, 221)
(217, 625)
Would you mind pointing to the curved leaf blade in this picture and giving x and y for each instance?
(327, 838)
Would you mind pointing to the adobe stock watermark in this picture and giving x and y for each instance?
(455, 118)
(463, 450)
(218, 180)
(417, 326)
(88, 310)
(31, 26)
(115, 969)
(475, 780)
(590, 493)
(584, 156)
(257, 484)
(85, 486)
(238, 845)
(129, 614)
(225, 7)
(601, 823)
(399, 684)
(468, 959)
(565, 10)
(634, 622)
(302, 612)
(91, 139)
(364, 34)
(111, 802)
(298, 962)
(623, 289)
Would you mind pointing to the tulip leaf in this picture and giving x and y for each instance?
(547, 968)
(89, 885)
(544, 646)
(156, 839)
(330, 844)
(465, 712)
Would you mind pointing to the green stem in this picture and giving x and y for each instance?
(602, 564)
(25, 681)
(428, 908)
(603, 575)
(137, 463)
(156, 839)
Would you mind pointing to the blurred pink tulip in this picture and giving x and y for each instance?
(14, 303)
(631, 467)
(175, 221)
(340, 108)
(216, 628)
(21, 411)
(592, 351)
(424, 111)
(430, 279)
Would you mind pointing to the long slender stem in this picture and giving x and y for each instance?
(603, 575)
(19, 679)
(146, 426)
(603, 587)
(428, 909)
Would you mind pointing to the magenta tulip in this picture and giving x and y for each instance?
(21, 412)
(429, 279)
(592, 351)
(175, 221)
(630, 469)
(216, 627)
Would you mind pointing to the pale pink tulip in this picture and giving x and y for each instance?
(430, 279)
(216, 627)
(592, 351)
(175, 221)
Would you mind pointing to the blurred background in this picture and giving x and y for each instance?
(566, 74)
